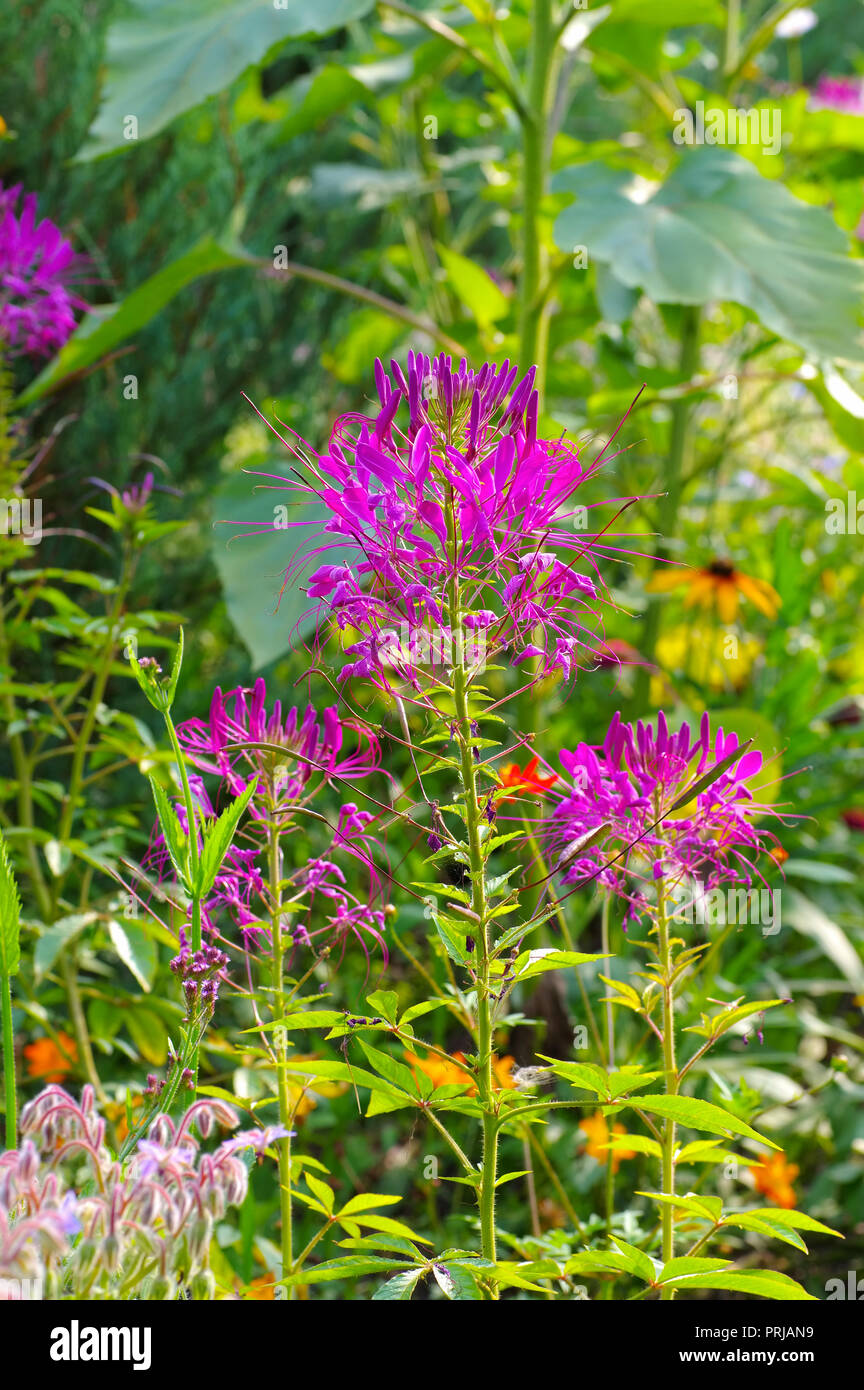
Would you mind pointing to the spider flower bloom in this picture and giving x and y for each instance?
(36, 263)
(457, 507)
(623, 793)
(307, 745)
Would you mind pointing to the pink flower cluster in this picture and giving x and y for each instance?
(617, 821)
(37, 307)
(454, 522)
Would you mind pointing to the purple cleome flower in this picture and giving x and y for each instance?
(37, 307)
(311, 745)
(461, 494)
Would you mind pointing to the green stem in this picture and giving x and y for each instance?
(69, 967)
(194, 856)
(9, 1063)
(610, 1060)
(688, 365)
(477, 870)
(670, 1084)
(280, 1039)
(533, 311)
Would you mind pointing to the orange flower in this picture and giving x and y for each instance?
(451, 1072)
(116, 1110)
(48, 1062)
(261, 1288)
(526, 779)
(774, 1176)
(717, 584)
(779, 854)
(597, 1129)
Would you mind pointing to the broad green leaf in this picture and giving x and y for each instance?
(136, 950)
(698, 1114)
(396, 1072)
(474, 287)
(347, 1267)
(52, 941)
(173, 54)
(688, 1265)
(368, 1201)
(107, 326)
(323, 1191)
(705, 1207)
(384, 1002)
(10, 917)
(761, 1283)
(543, 958)
(148, 1034)
(717, 230)
(316, 97)
(456, 1283)
(401, 1286)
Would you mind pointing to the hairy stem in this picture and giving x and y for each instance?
(670, 1075)
(281, 1042)
(11, 1111)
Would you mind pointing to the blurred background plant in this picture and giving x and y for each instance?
(264, 209)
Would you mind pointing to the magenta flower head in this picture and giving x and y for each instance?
(37, 264)
(301, 750)
(449, 522)
(621, 819)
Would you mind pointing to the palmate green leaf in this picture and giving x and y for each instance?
(173, 54)
(396, 1073)
(698, 1114)
(323, 1192)
(717, 230)
(714, 1026)
(401, 1286)
(456, 1283)
(545, 958)
(217, 840)
(688, 1265)
(346, 1267)
(778, 1224)
(311, 1018)
(10, 917)
(55, 937)
(474, 287)
(761, 1283)
(706, 1208)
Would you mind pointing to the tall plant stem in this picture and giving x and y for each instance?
(477, 870)
(688, 365)
(670, 1083)
(194, 855)
(610, 1058)
(69, 968)
(533, 311)
(281, 1043)
(11, 1110)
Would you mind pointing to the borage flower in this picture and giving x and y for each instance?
(455, 525)
(615, 822)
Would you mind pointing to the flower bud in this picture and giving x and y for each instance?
(203, 1285)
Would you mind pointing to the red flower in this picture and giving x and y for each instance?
(526, 779)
